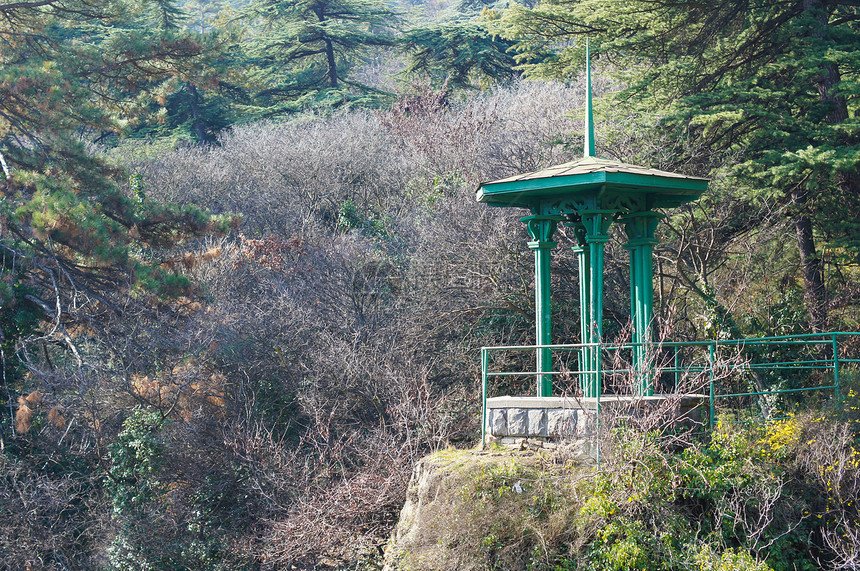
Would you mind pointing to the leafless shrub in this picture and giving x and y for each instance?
(48, 520)
(346, 516)
(514, 129)
(829, 456)
(283, 176)
(349, 329)
(678, 412)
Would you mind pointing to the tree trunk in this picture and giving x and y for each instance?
(332, 66)
(196, 120)
(329, 54)
(810, 262)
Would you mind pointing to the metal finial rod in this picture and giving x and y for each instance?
(588, 147)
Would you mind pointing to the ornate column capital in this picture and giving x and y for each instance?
(640, 228)
(596, 224)
(579, 232)
(541, 228)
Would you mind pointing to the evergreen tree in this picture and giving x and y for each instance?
(75, 245)
(460, 51)
(310, 46)
(778, 82)
(197, 103)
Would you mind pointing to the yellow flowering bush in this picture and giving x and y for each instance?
(780, 438)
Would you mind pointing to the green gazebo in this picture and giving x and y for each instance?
(590, 194)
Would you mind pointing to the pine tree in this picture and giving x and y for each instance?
(460, 51)
(197, 102)
(311, 46)
(72, 235)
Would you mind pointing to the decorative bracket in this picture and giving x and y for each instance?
(541, 228)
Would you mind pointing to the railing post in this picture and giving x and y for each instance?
(711, 350)
(484, 363)
(837, 392)
(597, 426)
(677, 369)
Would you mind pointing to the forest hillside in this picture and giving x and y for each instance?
(245, 280)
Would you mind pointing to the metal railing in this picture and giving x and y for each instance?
(764, 372)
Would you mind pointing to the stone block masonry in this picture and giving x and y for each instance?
(541, 422)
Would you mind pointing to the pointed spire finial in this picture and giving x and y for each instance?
(588, 150)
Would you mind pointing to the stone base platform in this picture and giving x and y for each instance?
(541, 422)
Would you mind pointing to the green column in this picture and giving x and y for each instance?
(596, 224)
(583, 257)
(640, 228)
(541, 229)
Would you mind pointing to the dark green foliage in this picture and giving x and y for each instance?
(68, 227)
(351, 218)
(136, 458)
(162, 521)
(461, 52)
(306, 49)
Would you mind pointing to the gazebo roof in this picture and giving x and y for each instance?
(605, 179)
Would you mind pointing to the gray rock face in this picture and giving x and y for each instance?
(537, 422)
(518, 422)
(440, 498)
(586, 424)
(561, 422)
(499, 422)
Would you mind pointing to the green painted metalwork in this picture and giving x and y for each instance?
(640, 228)
(660, 189)
(583, 256)
(589, 194)
(836, 368)
(712, 413)
(588, 146)
(596, 224)
(541, 229)
(717, 358)
(485, 359)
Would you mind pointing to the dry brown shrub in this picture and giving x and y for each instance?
(211, 253)
(56, 417)
(149, 389)
(34, 398)
(23, 418)
(26, 409)
(78, 330)
(185, 306)
(187, 388)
